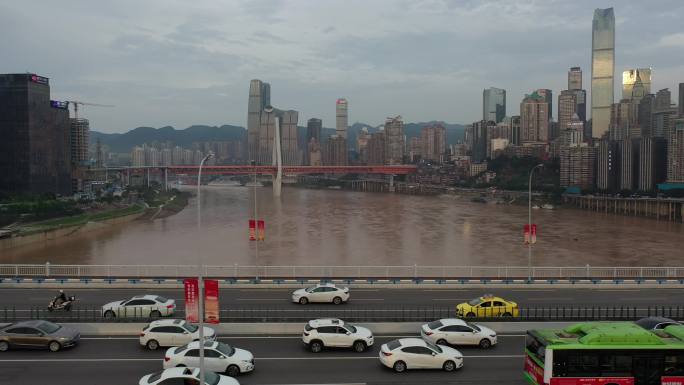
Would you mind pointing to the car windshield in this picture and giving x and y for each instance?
(225, 349)
(475, 327)
(161, 299)
(434, 325)
(48, 327)
(310, 289)
(475, 302)
(393, 344)
(210, 378)
(190, 327)
(434, 347)
(154, 377)
(181, 349)
(351, 328)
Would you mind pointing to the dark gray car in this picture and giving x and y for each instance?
(37, 334)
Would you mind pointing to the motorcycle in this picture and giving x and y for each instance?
(58, 304)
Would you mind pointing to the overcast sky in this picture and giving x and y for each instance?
(176, 62)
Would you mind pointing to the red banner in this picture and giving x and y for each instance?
(191, 300)
(533, 234)
(670, 380)
(262, 229)
(211, 302)
(534, 370)
(592, 381)
(526, 232)
(252, 230)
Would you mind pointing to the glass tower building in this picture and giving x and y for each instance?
(602, 69)
(493, 104)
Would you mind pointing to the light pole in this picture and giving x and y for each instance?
(256, 223)
(200, 308)
(529, 225)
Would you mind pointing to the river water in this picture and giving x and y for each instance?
(333, 227)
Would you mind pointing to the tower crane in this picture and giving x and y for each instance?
(76, 104)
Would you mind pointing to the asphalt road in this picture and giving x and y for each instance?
(279, 360)
(370, 304)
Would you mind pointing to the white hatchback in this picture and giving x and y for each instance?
(332, 332)
(456, 331)
(172, 332)
(218, 357)
(185, 376)
(322, 293)
(416, 353)
(141, 306)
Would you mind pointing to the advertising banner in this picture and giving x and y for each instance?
(252, 230)
(526, 232)
(211, 301)
(592, 381)
(191, 300)
(534, 370)
(533, 234)
(262, 229)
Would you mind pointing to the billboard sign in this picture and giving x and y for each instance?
(191, 300)
(211, 301)
(60, 105)
(40, 79)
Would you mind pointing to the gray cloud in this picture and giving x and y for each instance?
(169, 62)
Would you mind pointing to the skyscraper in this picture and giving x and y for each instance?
(341, 118)
(608, 165)
(314, 127)
(433, 143)
(548, 97)
(575, 78)
(79, 133)
(493, 104)
(34, 137)
(636, 83)
(675, 153)
(335, 153)
(577, 166)
(681, 99)
(602, 69)
(479, 140)
(376, 149)
(288, 136)
(394, 140)
(623, 120)
(652, 162)
(534, 118)
(259, 98)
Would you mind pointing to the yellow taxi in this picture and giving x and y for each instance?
(487, 306)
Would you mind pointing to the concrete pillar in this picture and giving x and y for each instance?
(391, 183)
(166, 179)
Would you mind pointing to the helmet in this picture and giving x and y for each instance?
(61, 292)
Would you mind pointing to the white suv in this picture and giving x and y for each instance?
(331, 332)
(172, 332)
(140, 306)
(326, 293)
(456, 331)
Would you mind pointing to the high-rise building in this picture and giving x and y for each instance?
(259, 98)
(34, 137)
(314, 156)
(636, 83)
(289, 139)
(534, 118)
(394, 140)
(493, 104)
(152, 157)
(645, 115)
(79, 139)
(433, 143)
(675, 153)
(362, 145)
(335, 153)
(341, 118)
(602, 70)
(623, 120)
(415, 148)
(577, 165)
(478, 151)
(663, 99)
(515, 130)
(628, 149)
(166, 158)
(288, 136)
(548, 98)
(681, 99)
(608, 165)
(138, 157)
(376, 149)
(314, 127)
(652, 162)
(575, 79)
(573, 135)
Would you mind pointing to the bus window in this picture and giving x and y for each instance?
(614, 365)
(536, 348)
(674, 365)
(576, 363)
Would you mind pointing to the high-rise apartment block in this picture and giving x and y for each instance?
(636, 83)
(376, 149)
(623, 120)
(79, 139)
(534, 118)
(288, 137)
(681, 99)
(341, 117)
(314, 127)
(652, 162)
(675, 153)
(575, 79)
(608, 165)
(548, 98)
(335, 153)
(628, 150)
(493, 104)
(602, 70)
(573, 101)
(34, 149)
(259, 98)
(577, 164)
(433, 143)
(361, 147)
(479, 130)
(394, 140)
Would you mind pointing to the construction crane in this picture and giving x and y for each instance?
(76, 103)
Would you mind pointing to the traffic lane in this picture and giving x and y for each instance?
(280, 298)
(481, 370)
(118, 348)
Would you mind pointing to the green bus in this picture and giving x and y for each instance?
(605, 353)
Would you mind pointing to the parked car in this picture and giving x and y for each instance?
(416, 353)
(218, 357)
(186, 376)
(325, 293)
(172, 332)
(37, 334)
(454, 331)
(656, 323)
(141, 306)
(331, 332)
(487, 306)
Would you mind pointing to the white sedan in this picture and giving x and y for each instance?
(416, 353)
(323, 293)
(172, 332)
(185, 376)
(218, 357)
(454, 331)
(141, 306)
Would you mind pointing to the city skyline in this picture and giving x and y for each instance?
(209, 89)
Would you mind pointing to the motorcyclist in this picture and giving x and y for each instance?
(61, 298)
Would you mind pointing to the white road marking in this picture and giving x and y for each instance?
(451, 299)
(274, 337)
(374, 357)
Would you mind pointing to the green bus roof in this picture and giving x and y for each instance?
(613, 335)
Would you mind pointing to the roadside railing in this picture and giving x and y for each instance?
(411, 272)
(258, 314)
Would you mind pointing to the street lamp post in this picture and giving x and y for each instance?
(200, 283)
(256, 223)
(529, 225)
